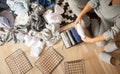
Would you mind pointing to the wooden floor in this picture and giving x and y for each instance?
(88, 52)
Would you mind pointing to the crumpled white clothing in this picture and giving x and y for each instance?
(54, 39)
(18, 6)
(51, 34)
(21, 19)
(53, 28)
(37, 48)
(58, 9)
(29, 41)
(54, 17)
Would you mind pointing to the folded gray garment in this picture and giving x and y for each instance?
(70, 37)
(53, 28)
(46, 34)
(66, 40)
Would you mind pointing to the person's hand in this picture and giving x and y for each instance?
(78, 20)
(87, 39)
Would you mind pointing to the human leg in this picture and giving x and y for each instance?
(106, 57)
(112, 46)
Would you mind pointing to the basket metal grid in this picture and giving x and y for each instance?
(18, 62)
(48, 61)
(75, 67)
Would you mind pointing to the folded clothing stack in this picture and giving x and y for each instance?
(70, 37)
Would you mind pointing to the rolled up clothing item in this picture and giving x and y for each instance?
(35, 51)
(70, 37)
(104, 56)
(65, 39)
(80, 29)
(75, 35)
(37, 48)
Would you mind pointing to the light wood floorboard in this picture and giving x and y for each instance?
(87, 51)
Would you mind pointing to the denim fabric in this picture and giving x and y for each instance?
(45, 3)
(75, 35)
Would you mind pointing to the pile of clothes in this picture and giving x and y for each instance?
(34, 23)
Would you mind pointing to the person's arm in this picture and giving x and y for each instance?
(86, 9)
(95, 39)
(114, 30)
(107, 35)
